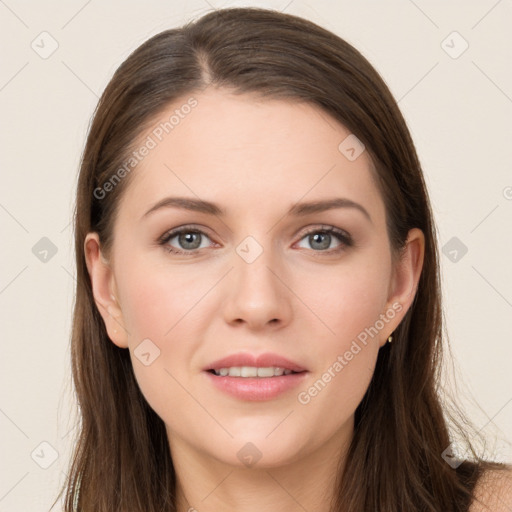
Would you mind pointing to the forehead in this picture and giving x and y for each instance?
(245, 153)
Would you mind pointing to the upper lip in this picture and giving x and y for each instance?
(259, 361)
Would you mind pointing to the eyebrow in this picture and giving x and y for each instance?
(299, 209)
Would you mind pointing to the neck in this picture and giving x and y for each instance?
(206, 484)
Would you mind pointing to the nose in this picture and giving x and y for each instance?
(258, 294)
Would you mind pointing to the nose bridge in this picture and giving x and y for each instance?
(257, 295)
(253, 262)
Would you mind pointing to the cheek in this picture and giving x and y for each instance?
(159, 307)
(156, 302)
(347, 300)
(346, 355)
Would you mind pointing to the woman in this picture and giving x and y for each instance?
(258, 320)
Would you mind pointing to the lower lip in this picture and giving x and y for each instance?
(256, 388)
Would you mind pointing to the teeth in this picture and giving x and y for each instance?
(248, 371)
(251, 371)
(267, 372)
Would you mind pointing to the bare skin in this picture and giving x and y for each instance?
(304, 297)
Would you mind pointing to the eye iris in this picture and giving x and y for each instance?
(185, 238)
(327, 237)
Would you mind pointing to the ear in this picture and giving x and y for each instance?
(405, 277)
(104, 291)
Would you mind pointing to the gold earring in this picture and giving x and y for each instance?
(390, 339)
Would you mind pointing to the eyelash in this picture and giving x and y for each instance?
(343, 237)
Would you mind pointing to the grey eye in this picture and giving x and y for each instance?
(189, 240)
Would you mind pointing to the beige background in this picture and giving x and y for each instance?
(458, 108)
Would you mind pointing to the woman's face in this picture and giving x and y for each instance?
(259, 279)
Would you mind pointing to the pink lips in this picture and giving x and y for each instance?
(255, 388)
(261, 361)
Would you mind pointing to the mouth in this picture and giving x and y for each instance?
(255, 377)
(243, 364)
(256, 384)
(253, 372)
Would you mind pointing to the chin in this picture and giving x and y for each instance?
(261, 450)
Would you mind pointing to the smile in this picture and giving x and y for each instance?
(255, 388)
(252, 371)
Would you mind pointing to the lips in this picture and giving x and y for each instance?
(259, 361)
(256, 388)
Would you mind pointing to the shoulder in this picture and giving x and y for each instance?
(493, 491)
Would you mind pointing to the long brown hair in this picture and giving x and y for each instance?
(397, 459)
